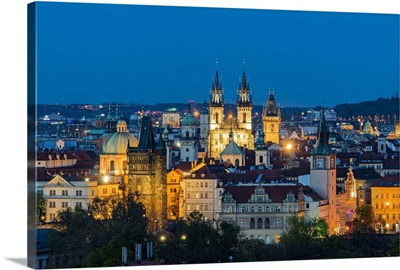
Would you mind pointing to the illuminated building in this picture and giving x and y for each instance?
(323, 174)
(67, 191)
(221, 124)
(147, 175)
(385, 199)
(202, 191)
(113, 159)
(271, 118)
(189, 137)
(260, 210)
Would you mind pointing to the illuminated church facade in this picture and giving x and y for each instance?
(223, 122)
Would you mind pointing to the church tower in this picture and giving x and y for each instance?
(204, 126)
(216, 104)
(147, 175)
(189, 137)
(323, 172)
(271, 118)
(244, 104)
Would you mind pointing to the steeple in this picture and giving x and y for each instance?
(243, 92)
(270, 108)
(323, 137)
(216, 97)
(146, 139)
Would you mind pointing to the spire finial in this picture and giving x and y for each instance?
(216, 63)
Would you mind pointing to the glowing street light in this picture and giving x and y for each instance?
(106, 178)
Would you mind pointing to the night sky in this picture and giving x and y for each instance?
(97, 53)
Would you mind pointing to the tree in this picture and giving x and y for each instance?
(365, 220)
(197, 240)
(94, 237)
(40, 208)
(302, 237)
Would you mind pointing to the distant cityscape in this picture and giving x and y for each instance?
(252, 167)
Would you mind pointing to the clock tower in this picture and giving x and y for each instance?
(271, 118)
(323, 173)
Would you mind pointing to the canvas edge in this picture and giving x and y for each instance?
(31, 128)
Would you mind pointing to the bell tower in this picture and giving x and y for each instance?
(244, 104)
(216, 104)
(271, 118)
(323, 172)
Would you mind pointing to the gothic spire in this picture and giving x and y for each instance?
(322, 145)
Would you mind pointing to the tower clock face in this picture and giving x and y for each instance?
(320, 163)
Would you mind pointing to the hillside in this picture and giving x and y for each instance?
(381, 106)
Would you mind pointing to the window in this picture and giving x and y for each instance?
(52, 204)
(52, 192)
(52, 217)
(64, 204)
(259, 223)
(104, 191)
(259, 209)
(173, 199)
(376, 206)
(277, 222)
(113, 190)
(266, 223)
(92, 192)
(65, 192)
(79, 193)
(252, 209)
(111, 165)
(188, 195)
(206, 195)
(78, 204)
(278, 209)
(40, 192)
(201, 184)
(206, 184)
(242, 223)
(261, 159)
(252, 223)
(201, 195)
(206, 207)
(394, 216)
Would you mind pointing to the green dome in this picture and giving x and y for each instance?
(117, 143)
(188, 119)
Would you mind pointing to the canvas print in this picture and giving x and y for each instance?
(163, 135)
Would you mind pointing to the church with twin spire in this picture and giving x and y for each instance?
(226, 125)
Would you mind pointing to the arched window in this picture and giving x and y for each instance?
(252, 223)
(111, 165)
(244, 117)
(261, 159)
(266, 224)
(259, 223)
(236, 162)
(187, 135)
(216, 118)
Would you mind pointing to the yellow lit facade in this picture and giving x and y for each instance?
(385, 199)
(221, 124)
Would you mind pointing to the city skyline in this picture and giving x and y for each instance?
(306, 58)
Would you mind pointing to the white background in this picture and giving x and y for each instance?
(13, 122)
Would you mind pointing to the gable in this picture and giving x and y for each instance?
(58, 181)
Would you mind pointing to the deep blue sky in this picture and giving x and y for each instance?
(95, 53)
